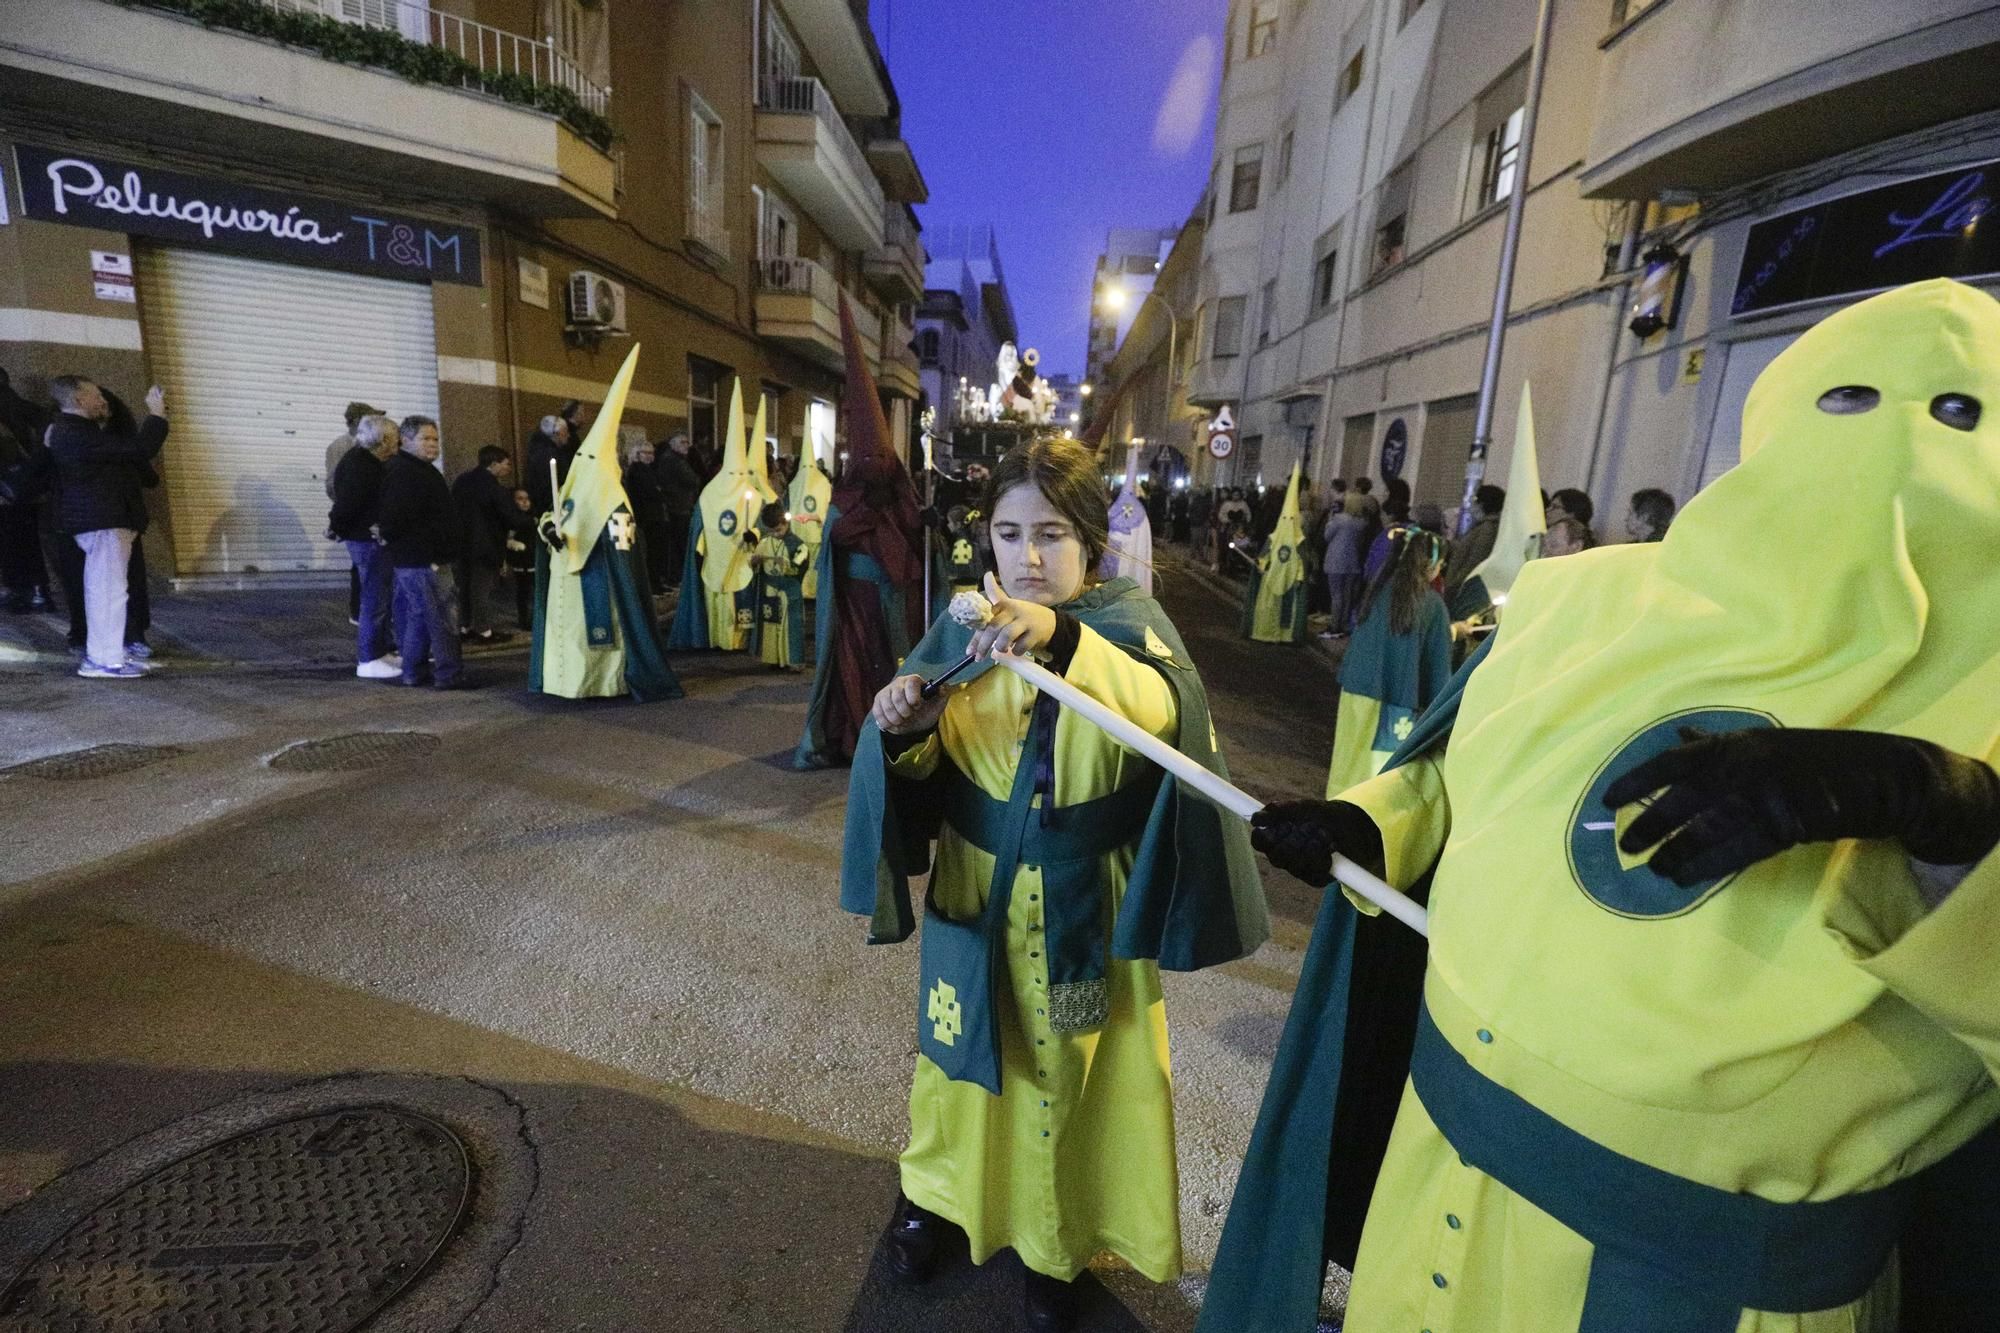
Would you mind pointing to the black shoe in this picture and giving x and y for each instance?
(456, 683)
(912, 1243)
(1048, 1305)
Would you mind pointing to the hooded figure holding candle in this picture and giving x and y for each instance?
(1708, 1034)
(718, 606)
(871, 574)
(1068, 872)
(595, 636)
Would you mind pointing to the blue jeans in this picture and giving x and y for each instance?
(427, 623)
(378, 585)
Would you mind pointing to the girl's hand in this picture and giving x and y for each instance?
(1018, 628)
(901, 709)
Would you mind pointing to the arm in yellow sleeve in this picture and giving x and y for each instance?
(1412, 812)
(1120, 681)
(1945, 960)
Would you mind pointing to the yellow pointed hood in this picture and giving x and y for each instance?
(1522, 521)
(595, 486)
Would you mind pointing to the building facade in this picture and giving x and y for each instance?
(444, 209)
(1125, 273)
(1146, 384)
(966, 315)
(1366, 154)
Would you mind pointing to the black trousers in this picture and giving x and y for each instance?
(21, 567)
(673, 552)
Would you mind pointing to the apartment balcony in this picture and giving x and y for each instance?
(896, 166)
(91, 66)
(798, 307)
(1705, 95)
(802, 140)
(898, 376)
(841, 47)
(1215, 382)
(706, 236)
(896, 269)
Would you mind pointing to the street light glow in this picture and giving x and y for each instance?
(1083, 390)
(1114, 298)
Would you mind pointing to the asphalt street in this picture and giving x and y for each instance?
(615, 923)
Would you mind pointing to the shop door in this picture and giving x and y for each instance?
(259, 360)
(1746, 361)
(1447, 446)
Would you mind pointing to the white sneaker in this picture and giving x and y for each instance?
(379, 669)
(393, 659)
(137, 651)
(123, 671)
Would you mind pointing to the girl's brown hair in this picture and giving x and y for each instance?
(1064, 471)
(1405, 577)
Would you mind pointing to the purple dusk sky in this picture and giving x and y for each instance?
(1056, 122)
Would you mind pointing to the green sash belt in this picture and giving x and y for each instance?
(1671, 1255)
(964, 961)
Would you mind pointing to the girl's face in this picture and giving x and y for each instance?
(1037, 550)
(521, 501)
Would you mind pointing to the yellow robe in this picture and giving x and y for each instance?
(598, 673)
(1076, 1156)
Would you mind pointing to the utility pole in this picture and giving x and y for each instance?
(1503, 287)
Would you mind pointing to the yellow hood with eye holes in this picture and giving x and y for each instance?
(1845, 574)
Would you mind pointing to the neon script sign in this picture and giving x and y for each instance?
(79, 190)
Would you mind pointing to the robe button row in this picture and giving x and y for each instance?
(1451, 1220)
(1484, 1036)
(1437, 1280)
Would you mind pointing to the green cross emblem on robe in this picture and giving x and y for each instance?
(1403, 728)
(944, 1012)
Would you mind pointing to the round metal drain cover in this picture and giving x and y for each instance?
(360, 749)
(306, 1226)
(99, 761)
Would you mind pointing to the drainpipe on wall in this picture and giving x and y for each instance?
(1503, 287)
(508, 276)
(1628, 249)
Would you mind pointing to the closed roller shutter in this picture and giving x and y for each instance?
(1446, 448)
(259, 360)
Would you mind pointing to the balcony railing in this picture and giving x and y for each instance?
(803, 277)
(704, 228)
(491, 57)
(896, 339)
(809, 97)
(898, 230)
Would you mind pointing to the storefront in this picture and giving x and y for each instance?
(262, 313)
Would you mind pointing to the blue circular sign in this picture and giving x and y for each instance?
(1636, 891)
(727, 523)
(1395, 449)
(812, 504)
(1284, 554)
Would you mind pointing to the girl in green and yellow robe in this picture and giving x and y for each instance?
(1397, 662)
(1041, 1111)
(780, 559)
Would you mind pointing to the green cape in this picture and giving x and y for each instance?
(1193, 899)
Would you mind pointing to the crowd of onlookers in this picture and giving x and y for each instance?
(73, 476)
(1345, 527)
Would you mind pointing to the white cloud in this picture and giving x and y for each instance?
(1179, 122)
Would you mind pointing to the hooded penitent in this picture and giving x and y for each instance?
(870, 609)
(595, 635)
(717, 607)
(1641, 1106)
(1129, 552)
(1522, 522)
(1274, 607)
(811, 492)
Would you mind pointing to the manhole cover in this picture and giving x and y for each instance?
(361, 749)
(306, 1226)
(99, 761)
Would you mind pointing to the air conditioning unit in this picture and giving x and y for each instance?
(596, 303)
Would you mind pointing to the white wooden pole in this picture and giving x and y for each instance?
(1231, 798)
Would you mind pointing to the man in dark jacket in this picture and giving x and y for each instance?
(551, 442)
(680, 488)
(420, 530)
(483, 496)
(26, 477)
(1476, 543)
(101, 474)
(356, 515)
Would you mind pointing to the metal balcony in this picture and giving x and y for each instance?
(896, 269)
(802, 140)
(798, 306)
(90, 65)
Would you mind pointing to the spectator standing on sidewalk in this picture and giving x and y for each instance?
(421, 532)
(101, 474)
(27, 480)
(551, 442)
(680, 488)
(649, 506)
(355, 521)
(335, 451)
(520, 558)
(483, 496)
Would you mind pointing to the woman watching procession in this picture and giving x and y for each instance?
(1068, 872)
(1397, 662)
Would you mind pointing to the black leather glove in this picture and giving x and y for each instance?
(552, 535)
(1300, 838)
(1730, 801)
